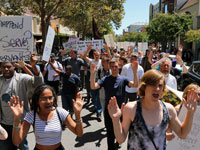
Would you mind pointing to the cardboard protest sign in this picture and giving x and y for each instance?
(124, 45)
(71, 44)
(109, 40)
(48, 44)
(172, 96)
(192, 142)
(83, 45)
(16, 38)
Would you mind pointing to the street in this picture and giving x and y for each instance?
(94, 137)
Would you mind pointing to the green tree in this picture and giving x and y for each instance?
(93, 16)
(12, 7)
(192, 36)
(165, 28)
(46, 9)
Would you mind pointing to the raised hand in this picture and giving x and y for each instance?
(93, 68)
(114, 111)
(180, 47)
(134, 66)
(191, 102)
(63, 52)
(20, 64)
(179, 59)
(16, 107)
(89, 46)
(78, 103)
(106, 47)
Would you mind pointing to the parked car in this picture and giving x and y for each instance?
(193, 75)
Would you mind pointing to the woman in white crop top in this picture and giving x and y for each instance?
(47, 121)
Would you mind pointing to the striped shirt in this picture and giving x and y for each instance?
(48, 132)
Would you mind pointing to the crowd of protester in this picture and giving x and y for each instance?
(124, 86)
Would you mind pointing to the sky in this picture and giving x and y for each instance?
(135, 11)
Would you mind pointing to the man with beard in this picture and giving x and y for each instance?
(13, 83)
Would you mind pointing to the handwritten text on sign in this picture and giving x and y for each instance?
(16, 38)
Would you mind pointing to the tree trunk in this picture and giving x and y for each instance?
(96, 33)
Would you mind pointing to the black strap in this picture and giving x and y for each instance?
(149, 134)
(34, 115)
(61, 123)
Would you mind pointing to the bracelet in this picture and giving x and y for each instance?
(78, 121)
(18, 121)
(17, 128)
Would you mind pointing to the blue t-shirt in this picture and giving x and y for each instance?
(114, 86)
(70, 83)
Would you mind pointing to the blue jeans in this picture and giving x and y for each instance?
(96, 101)
(8, 145)
(67, 103)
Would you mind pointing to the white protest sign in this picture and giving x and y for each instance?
(124, 45)
(109, 40)
(96, 44)
(192, 142)
(48, 44)
(71, 44)
(16, 38)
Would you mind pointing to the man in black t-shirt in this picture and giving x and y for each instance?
(114, 85)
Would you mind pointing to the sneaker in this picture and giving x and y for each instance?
(117, 146)
(99, 117)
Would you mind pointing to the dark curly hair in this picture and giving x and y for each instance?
(38, 91)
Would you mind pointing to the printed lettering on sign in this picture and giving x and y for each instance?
(16, 38)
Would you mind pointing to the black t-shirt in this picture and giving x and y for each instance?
(70, 83)
(114, 86)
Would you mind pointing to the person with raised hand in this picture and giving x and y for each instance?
(13, 83)
(114, 85)
(146, 120)
(47, 119)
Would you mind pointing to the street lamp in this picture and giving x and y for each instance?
(57, 34)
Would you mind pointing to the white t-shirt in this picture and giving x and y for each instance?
(128, 72)
(97, 63)
(47, 132)
(171, 81)
(51, 72)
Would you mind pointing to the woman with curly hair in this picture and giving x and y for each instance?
(47, 119)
